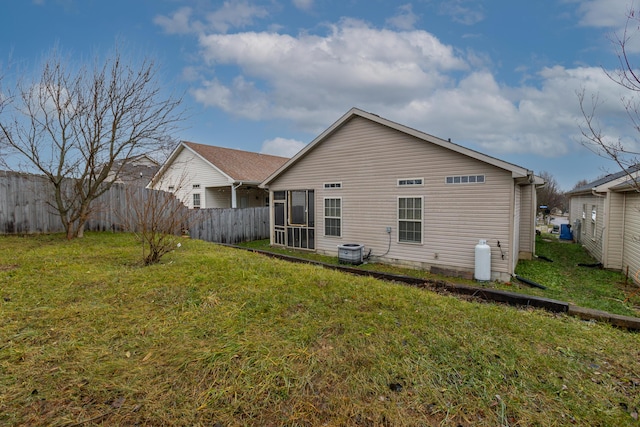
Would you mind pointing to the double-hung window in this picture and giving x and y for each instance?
(196, 200)
(332, 217)
(410, 219)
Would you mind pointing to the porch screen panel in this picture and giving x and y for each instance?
(298, 208)
(278, 211)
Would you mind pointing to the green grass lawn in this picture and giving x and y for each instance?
(216, 336)
(565, 281)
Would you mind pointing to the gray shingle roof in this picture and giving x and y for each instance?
(611, 177)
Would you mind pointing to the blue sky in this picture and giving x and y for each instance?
(497, 76)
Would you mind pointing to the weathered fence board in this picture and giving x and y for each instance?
(231, 225)
(26, 207)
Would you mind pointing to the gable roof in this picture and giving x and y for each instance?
(237, 165)
(135, 170)
(516, 171)
(593, 185)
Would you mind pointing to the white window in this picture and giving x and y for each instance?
(410, 182)
(196, 200)
(196, 186)
(593, 221)
(410, 219)
(332, 217)
(332, 185)
(465, 179)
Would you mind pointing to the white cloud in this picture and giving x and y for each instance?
(603, 13)
(406, 76)
(405, 19)
(177, 23)
(282, 147)
(235, 14)
(612, 15)
(467, 12)
(303, 75)
(303, 4)
(232, 14)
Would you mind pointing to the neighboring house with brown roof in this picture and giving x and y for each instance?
(410, 198)
(605, 215)
(205, 176)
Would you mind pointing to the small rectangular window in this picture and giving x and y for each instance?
(195, 186)
(332, 185)
(196, 200)
(407, 182)
(465, 179)
(172, 188)
(279, 195)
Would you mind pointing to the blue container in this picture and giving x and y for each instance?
(565, 232)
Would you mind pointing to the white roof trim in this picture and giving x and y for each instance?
(172, 158)
(516, 171)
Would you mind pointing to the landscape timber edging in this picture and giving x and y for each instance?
(487, 294)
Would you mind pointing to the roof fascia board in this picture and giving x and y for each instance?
(331, 129)
(229, 178)
(165, 166)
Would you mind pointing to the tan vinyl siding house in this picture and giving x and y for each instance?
(205, 176)
(408, 197)
(631, 239)
(605, 218)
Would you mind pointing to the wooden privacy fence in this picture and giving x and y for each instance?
(26, 207)
(230, 225)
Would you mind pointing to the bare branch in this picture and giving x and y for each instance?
(74, 125)
(158, 219)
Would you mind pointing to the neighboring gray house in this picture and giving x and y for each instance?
(410, 198)
(205, 176)
(605, 215)
(137, 170)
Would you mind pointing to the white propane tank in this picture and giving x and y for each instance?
(483, 261)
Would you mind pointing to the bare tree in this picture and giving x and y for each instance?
(626, 75)
(550, 193)
(580, 183)
(77, 125)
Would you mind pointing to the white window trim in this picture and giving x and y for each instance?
(199, 199)
(453, 177)
(594, 222)
(324, 216)
(196, 186)
(421, 220)
(410, 185)
(332, 186)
